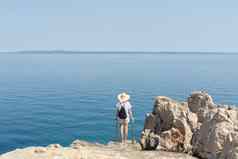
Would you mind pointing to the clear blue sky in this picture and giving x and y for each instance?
(133, 25)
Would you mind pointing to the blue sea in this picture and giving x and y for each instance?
(57, 98)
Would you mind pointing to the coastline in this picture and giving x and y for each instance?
(197, 127)
(86, 150)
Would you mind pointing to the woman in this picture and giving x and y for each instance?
(124, 114)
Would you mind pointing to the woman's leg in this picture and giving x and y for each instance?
(122, 131)
(125, 131)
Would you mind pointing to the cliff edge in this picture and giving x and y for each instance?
(85, 150)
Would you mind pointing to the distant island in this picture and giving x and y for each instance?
(111, 52)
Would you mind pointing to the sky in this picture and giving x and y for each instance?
(122, 25)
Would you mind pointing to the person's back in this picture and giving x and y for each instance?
(124, 109)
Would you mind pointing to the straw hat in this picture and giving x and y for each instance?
(123, 97)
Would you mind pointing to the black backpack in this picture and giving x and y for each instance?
(122, 113)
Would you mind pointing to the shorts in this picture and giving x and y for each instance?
(123, 121)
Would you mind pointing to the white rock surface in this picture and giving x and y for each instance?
(84, 150)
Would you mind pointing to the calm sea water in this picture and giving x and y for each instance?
(61, 97)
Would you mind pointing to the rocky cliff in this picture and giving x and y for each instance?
(198, 127)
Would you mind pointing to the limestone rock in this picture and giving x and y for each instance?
(167, 110)
(151, 122)
(79, 144)
(172, 140)
(192, 120)
(230, 150)
(149, 140)
(198, 126)
(209, 140)
(40, 150)
(200, 103)
(173, 123)
(54, 146)
(233, 115)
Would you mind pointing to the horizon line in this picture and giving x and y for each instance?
(112, 52)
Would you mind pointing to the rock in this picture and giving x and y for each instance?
(182, 126)
(40, 150)
(172, 140)
(167, 110)
(173, 123)
(54, 146)
(209, 140)
(230, 150)
(192, 120)
(149, 140)
(197, 126)
(200, 103)
(77, 144)
(150, 122)
(233, 115)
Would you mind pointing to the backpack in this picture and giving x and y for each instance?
(122, 113)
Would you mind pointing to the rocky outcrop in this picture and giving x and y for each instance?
(201, 104)
(171, 121)
(197, 126)
(84, 150)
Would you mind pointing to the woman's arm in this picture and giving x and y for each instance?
(116, 112)
(131, 113)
